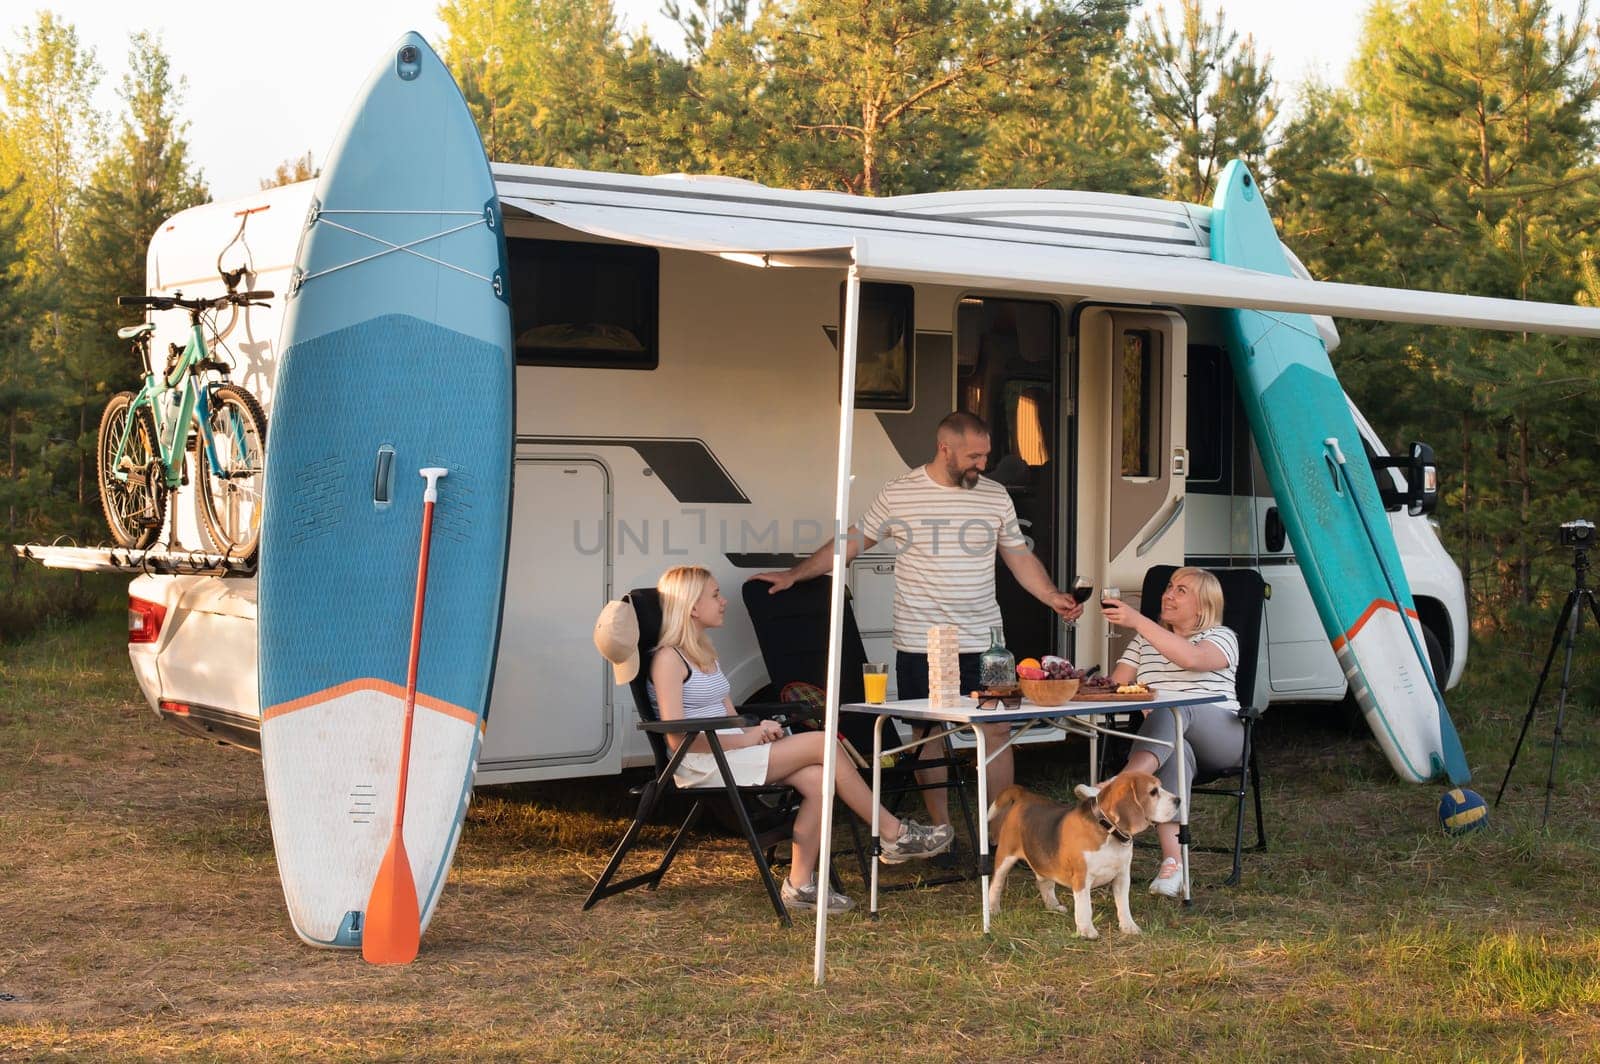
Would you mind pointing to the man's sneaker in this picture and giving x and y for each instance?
(917, 840)
(1169, 879)
(805, 898)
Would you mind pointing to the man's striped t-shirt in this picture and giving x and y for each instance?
(944, 542)
(1152, 667)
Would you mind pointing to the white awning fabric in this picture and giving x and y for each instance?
(1012, 257)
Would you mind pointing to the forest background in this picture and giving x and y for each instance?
(1462, 154)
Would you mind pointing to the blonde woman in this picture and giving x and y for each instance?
(686, 682)
(1190, 650)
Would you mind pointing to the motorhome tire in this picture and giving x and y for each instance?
(134, 508)
(1436, 659)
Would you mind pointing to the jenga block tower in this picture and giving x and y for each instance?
(944, 666)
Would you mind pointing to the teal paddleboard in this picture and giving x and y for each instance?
(396, 356)
(1330, 506)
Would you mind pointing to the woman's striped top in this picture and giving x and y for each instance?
(1152, 667)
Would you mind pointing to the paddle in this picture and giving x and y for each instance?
(393, 925)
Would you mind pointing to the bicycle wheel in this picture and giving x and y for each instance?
(135, 504)
(230, 492)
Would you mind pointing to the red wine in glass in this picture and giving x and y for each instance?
(1082, 588)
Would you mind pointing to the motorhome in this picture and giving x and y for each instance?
(677, 401)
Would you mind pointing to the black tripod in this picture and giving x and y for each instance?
(1571, 621)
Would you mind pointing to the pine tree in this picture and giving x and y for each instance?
(52, 132)
(1084, 131)
(21, 391)
(144, 179)
(544, 79)
(288, 172)
(892, 96)
(1209, 94)
(1476, 120)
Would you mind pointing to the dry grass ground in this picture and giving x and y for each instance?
(142, 919)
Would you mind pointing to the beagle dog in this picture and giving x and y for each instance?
(1080, 847)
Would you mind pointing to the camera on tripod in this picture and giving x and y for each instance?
(1579, 534)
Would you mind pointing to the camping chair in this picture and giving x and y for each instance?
(792, 630)
(776, 819)
(1243, 594)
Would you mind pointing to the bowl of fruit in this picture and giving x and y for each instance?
(1050, 681)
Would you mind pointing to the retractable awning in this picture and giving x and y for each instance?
(1113, 248)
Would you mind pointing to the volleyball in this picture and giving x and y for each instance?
(1461, 811)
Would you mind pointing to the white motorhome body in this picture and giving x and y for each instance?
(678, 402)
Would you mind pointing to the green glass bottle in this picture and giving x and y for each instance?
(997, 669)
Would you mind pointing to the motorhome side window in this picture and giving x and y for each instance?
(1210, 417)
(1140, 408)
(589, 305)
(884, 352)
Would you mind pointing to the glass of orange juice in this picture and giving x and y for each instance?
(875, 678)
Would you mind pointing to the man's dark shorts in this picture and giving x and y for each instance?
(911, 674)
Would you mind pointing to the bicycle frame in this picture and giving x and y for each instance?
(172, 435)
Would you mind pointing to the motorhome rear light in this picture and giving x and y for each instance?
(144, 620)
(180, 709)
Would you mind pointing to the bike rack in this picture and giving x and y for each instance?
(161, 561)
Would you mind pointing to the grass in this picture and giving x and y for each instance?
(32, 598)
(144, 921)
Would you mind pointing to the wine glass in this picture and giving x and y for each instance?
(1082, 588)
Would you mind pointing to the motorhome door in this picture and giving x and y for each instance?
(552, 704)
(1132, 463)
(1008, 373)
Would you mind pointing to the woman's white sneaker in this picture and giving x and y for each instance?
(1169, 879)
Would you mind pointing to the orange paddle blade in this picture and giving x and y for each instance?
(393, 924)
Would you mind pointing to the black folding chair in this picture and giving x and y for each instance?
(792, 630)
(1243, 595)
(765, 813)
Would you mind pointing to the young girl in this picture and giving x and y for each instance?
(687, 682)
(1188, 650)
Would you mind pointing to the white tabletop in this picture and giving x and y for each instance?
(966, 711)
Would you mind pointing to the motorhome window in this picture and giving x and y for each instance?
(1141, 357)
(1210, 416)
(885, 347)
(590, 305)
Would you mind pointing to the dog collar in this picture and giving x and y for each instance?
(1107, 823)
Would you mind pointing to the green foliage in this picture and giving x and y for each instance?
(1463, 156)
(1467, 147)
(546, 81)
(1209, 95)
(896, 96)
(144, 179)
(52, 131)
(74, 232)
(290, 171)
(1082, 130)
(31, 598)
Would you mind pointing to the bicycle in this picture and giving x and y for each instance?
(145, 437)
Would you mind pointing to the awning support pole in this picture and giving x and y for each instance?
(841, 523)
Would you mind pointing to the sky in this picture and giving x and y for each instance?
(268, 83)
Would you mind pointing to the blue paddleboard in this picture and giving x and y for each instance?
(1330, 506)
(396, 356)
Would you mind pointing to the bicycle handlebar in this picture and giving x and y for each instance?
(208, 303)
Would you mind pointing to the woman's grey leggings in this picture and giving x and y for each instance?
(1213, 738)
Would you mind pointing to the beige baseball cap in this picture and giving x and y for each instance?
(616, 636)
